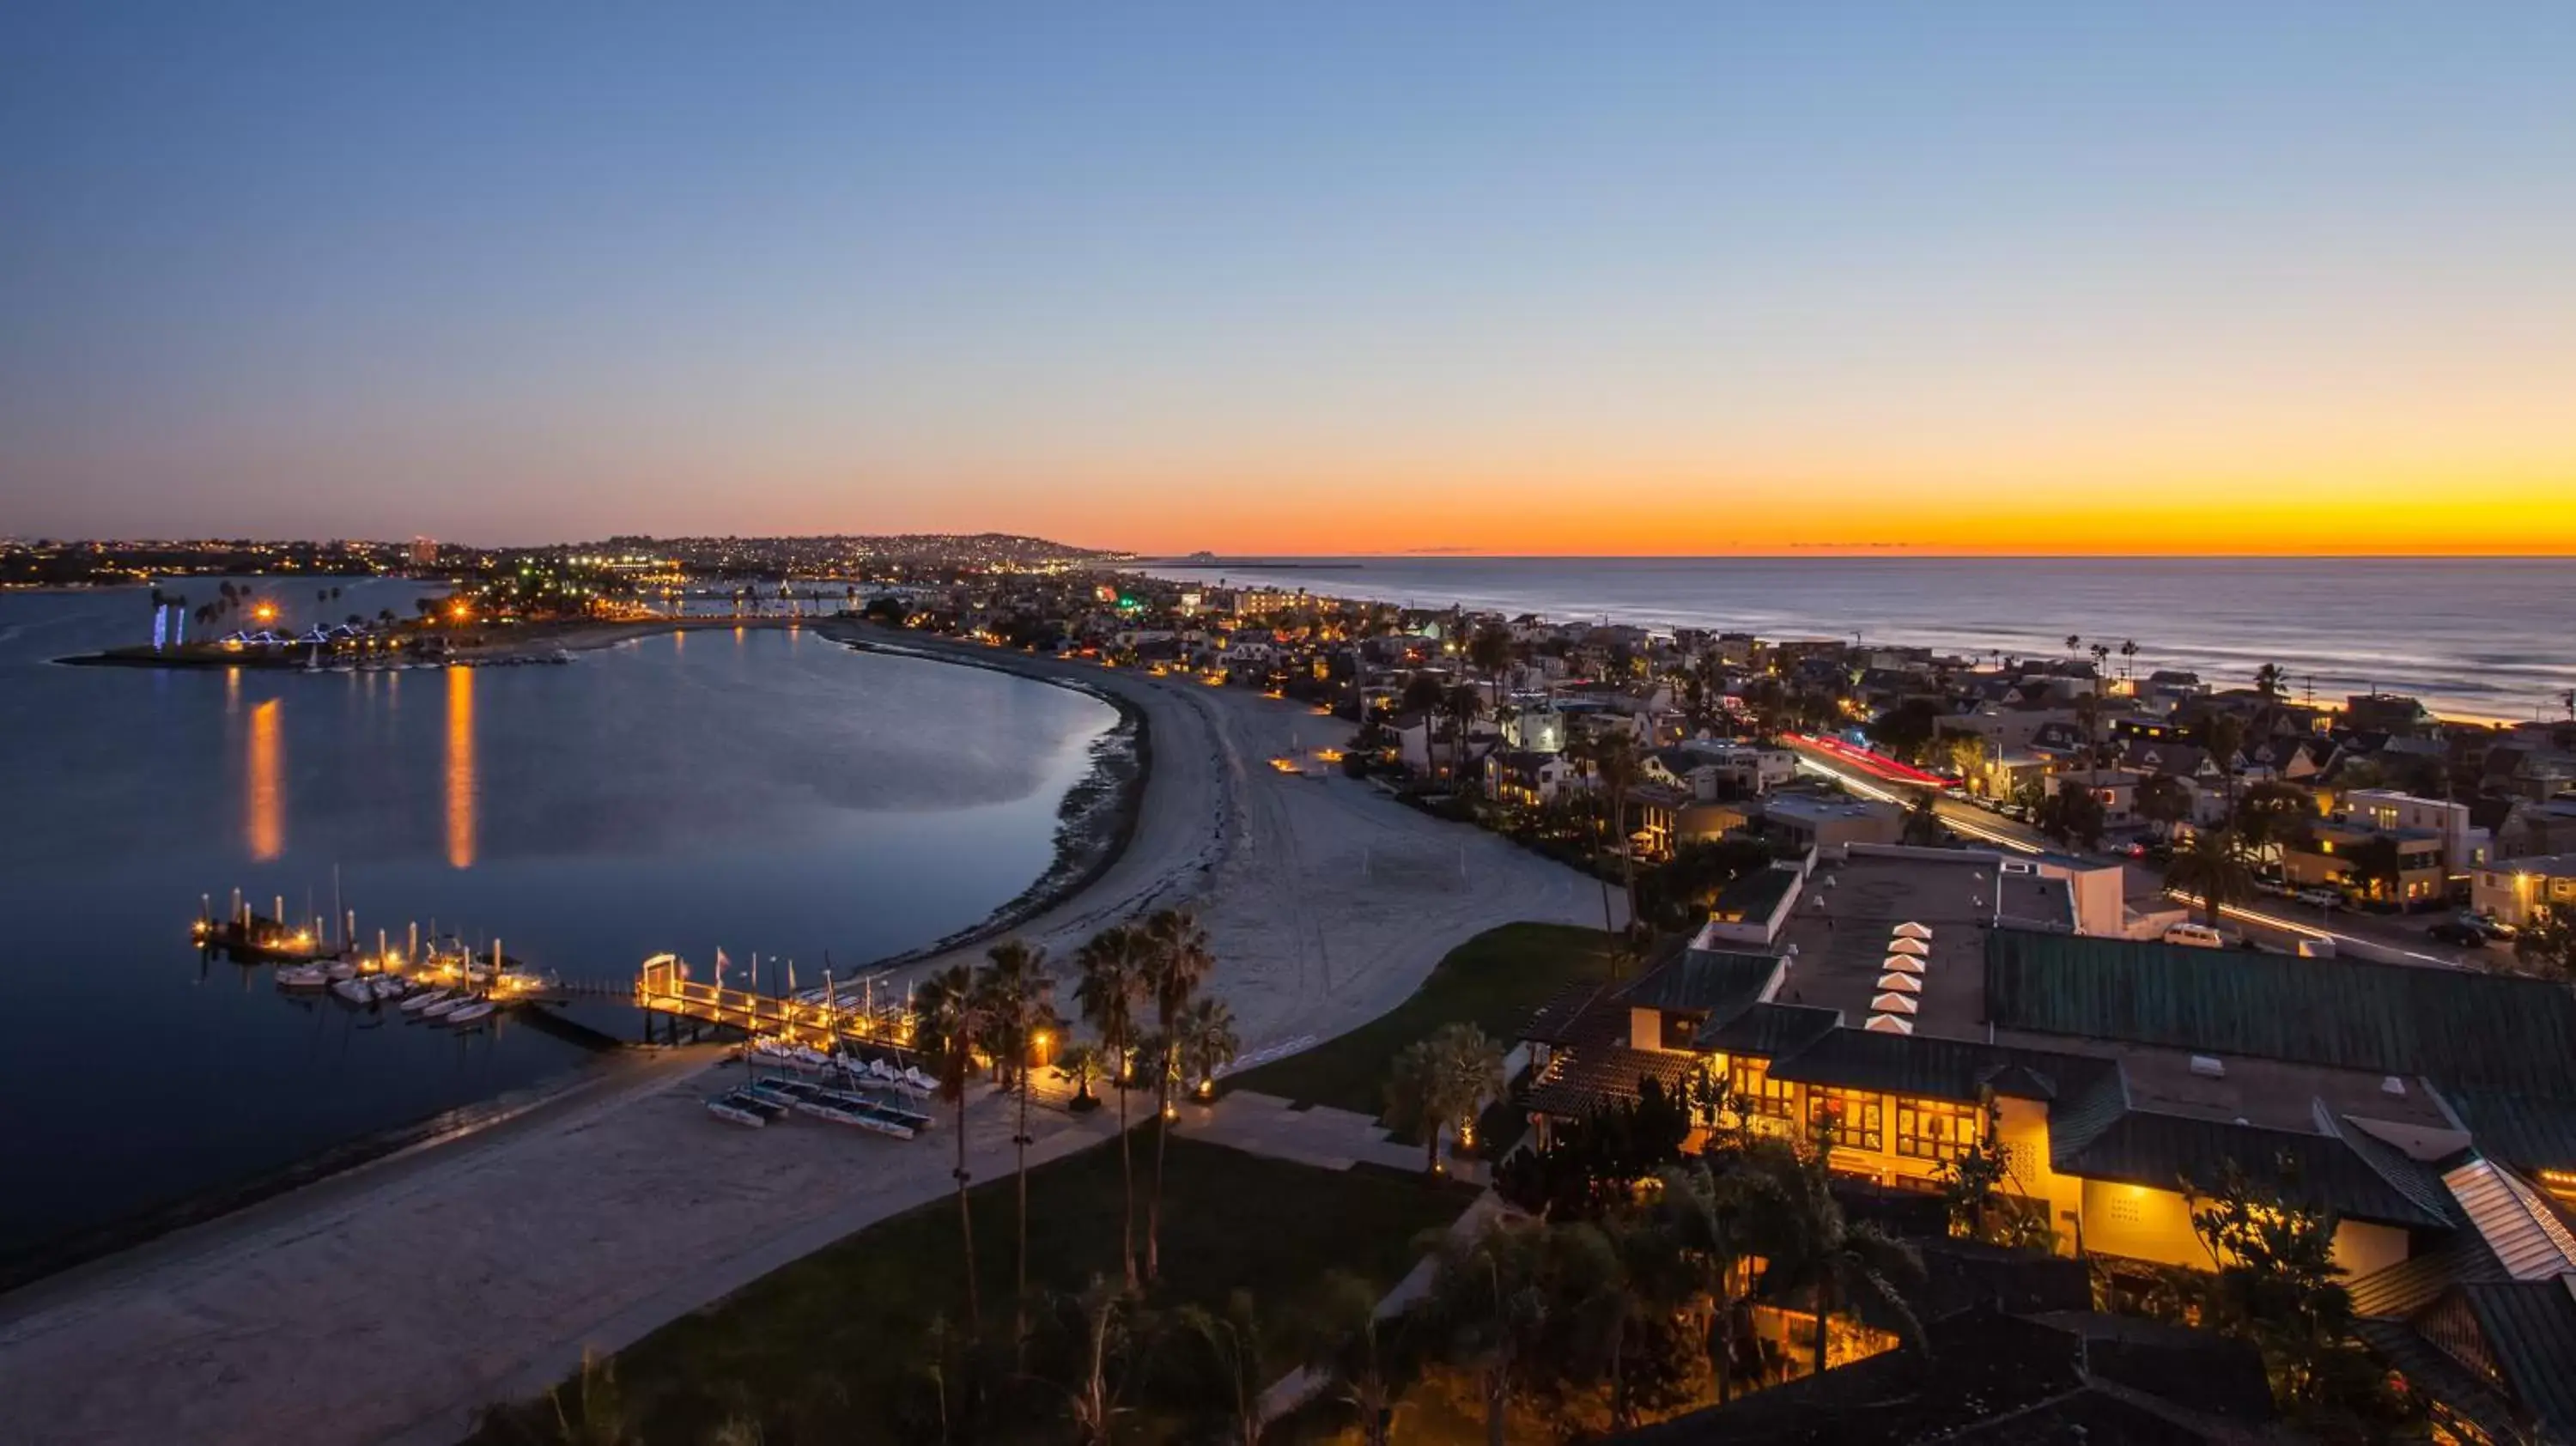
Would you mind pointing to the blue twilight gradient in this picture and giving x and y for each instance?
(516, 271)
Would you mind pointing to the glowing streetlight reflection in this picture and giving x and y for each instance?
(264, 798)
(460, 768)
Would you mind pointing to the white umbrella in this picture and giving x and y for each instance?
(1912, 930)
(1901, 983)
(1902, 964)
(1908, 946)
(1894, 1004)
(1888, 1024)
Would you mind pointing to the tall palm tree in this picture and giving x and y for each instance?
(1414, 1098)
(1810, 1249)
(2224, 737)
(1177, 963)
(1017, 999)
(1704, 1210)
(1618, 762)
(1471, 1068)
(949, 1024)
(1234, 1361)
(1112, 980)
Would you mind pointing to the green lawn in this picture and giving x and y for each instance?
(1492, 981)
(834, 1347)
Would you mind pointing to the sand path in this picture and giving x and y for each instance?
(390, 1303)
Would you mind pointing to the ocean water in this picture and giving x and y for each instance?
(2473, 637)
(759, 791)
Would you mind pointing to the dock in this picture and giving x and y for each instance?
(663, 987)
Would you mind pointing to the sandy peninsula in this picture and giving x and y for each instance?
(391, 1303)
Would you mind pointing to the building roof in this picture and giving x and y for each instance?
(1574, 1080)
(1769, 1029)
(1718, 982)
(2478, 1030)
(2324, 1172)
(2526, 1235)
(1932, 1067)
(1754, 894)
(2525, 1132)
(2530, 1332)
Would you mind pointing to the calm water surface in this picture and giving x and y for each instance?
(2478, 637)
(761, 791)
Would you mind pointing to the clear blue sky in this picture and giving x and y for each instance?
(1297, 277)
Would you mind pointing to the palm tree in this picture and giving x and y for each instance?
(1340, 1343)
(1177, 963)
(1617, 755)
(1101, 1311)
(2129, 659)
(1112, 965)
(949, 1024)
(1471, 1068)
(1206, 1041)
(1811, 1250)
(1704, 1211)
(1234, 1359)
(1489, 1297)
(2268, 680)
(1414, 1102)
(1016, 997)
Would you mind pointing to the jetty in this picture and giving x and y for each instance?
(822, 1019)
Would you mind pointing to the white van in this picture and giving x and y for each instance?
(2195, 936)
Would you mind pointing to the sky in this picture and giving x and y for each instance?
(1297, 278)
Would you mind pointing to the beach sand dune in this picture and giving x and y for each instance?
(391, 1303)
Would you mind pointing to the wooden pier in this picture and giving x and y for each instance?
(663, 988)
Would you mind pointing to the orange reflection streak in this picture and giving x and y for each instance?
(460, 768)
(232, 691)
(264, 820)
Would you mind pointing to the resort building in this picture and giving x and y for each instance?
(1912, 1004)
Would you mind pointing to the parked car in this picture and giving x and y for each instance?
(2452, 931)
(2195, 936)
(2488, 924)
(2321, 898)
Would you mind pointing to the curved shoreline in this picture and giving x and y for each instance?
(1085, 849)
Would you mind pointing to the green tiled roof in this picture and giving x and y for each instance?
(2530, 1326)
(1770, 1030)
(1719, 982)
(2526, 1133)
(2482, 1031)
(1933, 1068)
(2321, 1171)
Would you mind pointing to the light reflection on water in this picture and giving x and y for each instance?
(460, 768)
(264, 790)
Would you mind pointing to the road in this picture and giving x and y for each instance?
(2279, 923)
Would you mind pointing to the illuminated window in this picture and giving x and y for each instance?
(1854, 1115)
(1751, 1079)
(1936, 1129)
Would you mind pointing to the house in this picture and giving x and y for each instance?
(2516, 890)
(2464, 846)
(2401, 866)
(1526, 777)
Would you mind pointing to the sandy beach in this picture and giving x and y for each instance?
(392, 1302)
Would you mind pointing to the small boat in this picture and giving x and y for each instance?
(447, 1006)
(354, 991)
(303, 976)
(387, 986)
(732, 1110)
(424, 999)
(344, 969)
(472, 1014)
